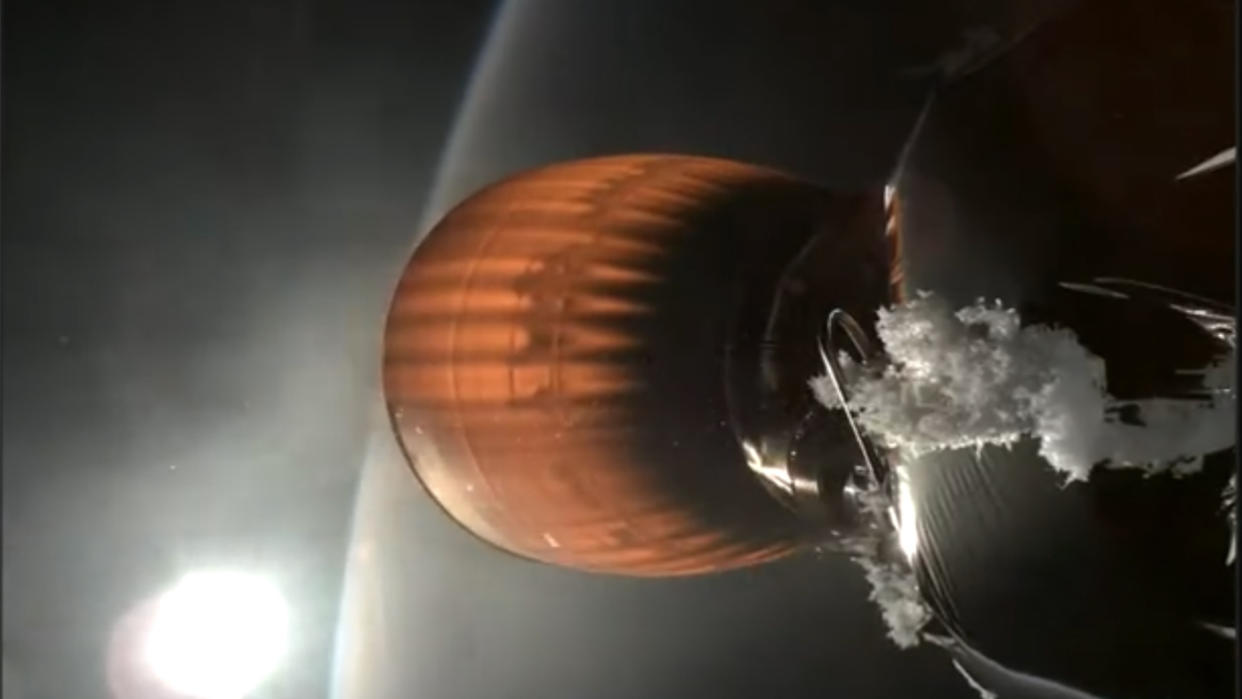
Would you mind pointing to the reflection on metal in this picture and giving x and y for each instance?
(557, 351)
(774, 474)
(876, 468)
(984, 693)
(1228, 633)
(1213, 317)
(1216, 319)
(907, 516)
(893, 238)
(1003, 681)
(884, 491)
(1222, 159)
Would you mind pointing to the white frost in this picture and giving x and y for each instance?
(976, 376)
(895, 591)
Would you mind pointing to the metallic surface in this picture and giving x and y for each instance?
(1062, 157)
(1056, 163)
(557, 352)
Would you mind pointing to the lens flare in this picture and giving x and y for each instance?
(217, 635)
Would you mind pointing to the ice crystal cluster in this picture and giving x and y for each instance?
(976, 376)
(894, 588)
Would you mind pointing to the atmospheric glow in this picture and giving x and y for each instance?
(217, 635)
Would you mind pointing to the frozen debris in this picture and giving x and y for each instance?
(1219, 377)
(1175, 434)
(822, 386)
(974, 684)
(894, 587)
(975, 377)
(896, 593)
(1222, 159)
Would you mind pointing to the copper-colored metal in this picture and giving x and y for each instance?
(555, 358)
(892, 236)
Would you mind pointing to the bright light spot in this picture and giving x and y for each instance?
(217, 635)
(907, 517)
(1222, 159)
(774, 474)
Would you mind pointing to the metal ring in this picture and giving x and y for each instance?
(876, 468)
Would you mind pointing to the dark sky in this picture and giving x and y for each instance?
(205, 207)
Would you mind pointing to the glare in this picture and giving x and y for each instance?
(217, 635)
(1222, 159)
(772, 473)
(907, 517)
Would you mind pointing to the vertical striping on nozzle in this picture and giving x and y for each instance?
(892, 237)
